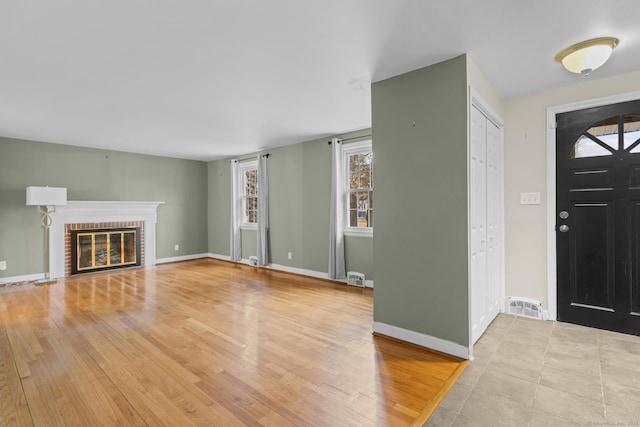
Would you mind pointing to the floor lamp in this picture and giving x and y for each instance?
(46, 199)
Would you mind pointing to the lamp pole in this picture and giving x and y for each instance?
(46, 222)
(46, 199)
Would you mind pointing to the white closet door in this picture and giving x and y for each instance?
(485, 221)
(478, 221)
(494, 220)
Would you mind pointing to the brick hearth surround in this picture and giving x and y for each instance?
(97, 225)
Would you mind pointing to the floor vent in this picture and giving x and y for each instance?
(355, 279)
(526, 307)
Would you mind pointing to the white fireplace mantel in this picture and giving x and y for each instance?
(75, 212)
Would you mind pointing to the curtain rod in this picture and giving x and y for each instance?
(351, 139)
(248, 159)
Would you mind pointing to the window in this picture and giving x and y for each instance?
(609, 136)
(248, 181)
(358, 177)
(631, 133)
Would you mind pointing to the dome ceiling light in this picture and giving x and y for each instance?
(586, 56)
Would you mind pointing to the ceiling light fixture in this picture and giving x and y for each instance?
(586, 56)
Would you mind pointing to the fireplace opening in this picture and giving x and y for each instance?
(104, 249)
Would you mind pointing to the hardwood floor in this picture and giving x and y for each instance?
(207, 343)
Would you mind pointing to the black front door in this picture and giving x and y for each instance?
(598, 217)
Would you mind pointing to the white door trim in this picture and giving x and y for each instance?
(551, 184)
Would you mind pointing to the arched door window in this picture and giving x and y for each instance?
(615, 134)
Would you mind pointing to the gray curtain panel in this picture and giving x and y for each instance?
(336, 212)
(235, 244)
(263, 211)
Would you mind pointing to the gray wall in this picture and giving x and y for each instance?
(91, 174)
(420, 174)
(218, 215)
(299, 178)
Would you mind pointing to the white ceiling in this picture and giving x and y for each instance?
(206, 79)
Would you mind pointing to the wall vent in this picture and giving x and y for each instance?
(355, 279)
(526, 307)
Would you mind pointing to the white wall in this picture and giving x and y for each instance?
(526, 171)
(477, 80)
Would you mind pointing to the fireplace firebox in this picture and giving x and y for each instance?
(104, 249)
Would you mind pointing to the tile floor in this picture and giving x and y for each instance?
(539, 373)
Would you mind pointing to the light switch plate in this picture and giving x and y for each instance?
(530, 198)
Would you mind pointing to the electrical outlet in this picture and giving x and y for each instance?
(289, 255)
(176, 248)
(3, 265)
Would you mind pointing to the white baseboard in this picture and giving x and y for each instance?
(289, 269)
(222, 257)
(17, 279)
(367, 283)
(422, 340)
(31, 277)
(311, 273)
(180, 258)
(301, 271)
(228, 258)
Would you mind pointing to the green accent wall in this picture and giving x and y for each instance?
(358, 254)
(249, 243)
(219, 199)
(93, 174)
(420, 174)
(286, 218)
(299, 180)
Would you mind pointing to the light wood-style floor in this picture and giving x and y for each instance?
(207, 343)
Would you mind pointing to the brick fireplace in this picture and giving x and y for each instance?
(84, 215)
(68, 241)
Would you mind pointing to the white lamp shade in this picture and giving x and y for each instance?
(46, 196)
(587, 59)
